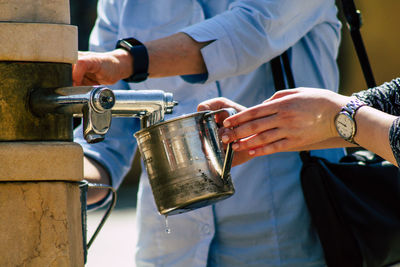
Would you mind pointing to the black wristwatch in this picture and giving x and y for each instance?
(140, 59)
(344, 120)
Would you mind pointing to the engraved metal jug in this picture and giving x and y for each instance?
(186, 163)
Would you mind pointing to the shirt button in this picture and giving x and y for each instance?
(206, 229)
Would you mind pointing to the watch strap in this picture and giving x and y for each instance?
(353, 106)
(140, 59)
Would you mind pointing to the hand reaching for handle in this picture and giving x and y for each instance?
(290, 120)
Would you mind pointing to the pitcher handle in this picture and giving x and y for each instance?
(229, 151)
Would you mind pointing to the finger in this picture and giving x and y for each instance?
(224, 133)
(212, 104)
(89, 81)
(258, 140)
(78, 72)
(250, 128)
(256, 112)
(218, 103)
(88, 64)
(220, 117)
(221, 132)
(275, 147)
(282, 93)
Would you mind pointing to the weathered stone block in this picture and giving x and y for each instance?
(43, 11)
(17, 122)
(40, 224)
(38, 161)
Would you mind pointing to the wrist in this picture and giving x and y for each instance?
(140, 59)
(337, 103)
(345, 122)
(124, 62)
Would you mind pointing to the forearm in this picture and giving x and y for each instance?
(95, 173)
(177, 54)
(372, 133)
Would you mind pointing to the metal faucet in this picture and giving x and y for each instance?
(98, 104)
(149, 105)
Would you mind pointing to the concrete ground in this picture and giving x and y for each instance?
(114, 245)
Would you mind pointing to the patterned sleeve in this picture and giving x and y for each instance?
(394, 138)
(386, 98)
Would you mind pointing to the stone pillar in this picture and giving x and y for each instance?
(34, 55)
(40, 208)
(40, 166)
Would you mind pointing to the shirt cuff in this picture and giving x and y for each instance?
(219, 56)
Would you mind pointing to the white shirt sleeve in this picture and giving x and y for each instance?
(251, 33)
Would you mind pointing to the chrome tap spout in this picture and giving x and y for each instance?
(149, 105)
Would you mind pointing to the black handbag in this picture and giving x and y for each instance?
(354, 204)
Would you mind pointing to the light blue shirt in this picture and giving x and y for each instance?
(266, 222)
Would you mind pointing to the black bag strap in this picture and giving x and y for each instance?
(288, 70)
(278, 65)
(277, 73)
(354, 23)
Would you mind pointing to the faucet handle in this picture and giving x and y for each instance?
(95, 124)
(97, 114)
(93, 103)
(101, 99)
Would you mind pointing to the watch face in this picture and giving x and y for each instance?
(344, 125)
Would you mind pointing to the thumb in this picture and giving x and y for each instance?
(78, 72)
(281, 94)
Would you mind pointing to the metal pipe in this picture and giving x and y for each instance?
(71, 100)
(136, 103)
(98, 104)
(148, 105)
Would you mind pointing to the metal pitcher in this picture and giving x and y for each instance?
(186, 163)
